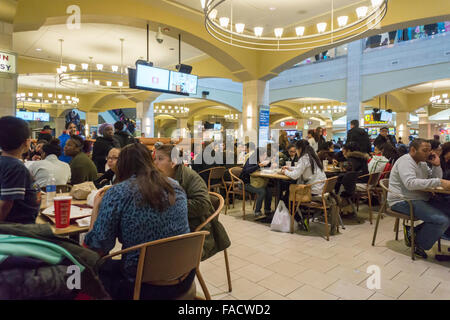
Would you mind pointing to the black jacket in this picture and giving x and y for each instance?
(361, 137)
(249, 168)
(100, 151)
(44, 136)
(322, 144)
(123, 139)
(357, 162)
(380, 140)
(105, 180)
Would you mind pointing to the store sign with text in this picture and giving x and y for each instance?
(368, 119)
(7, 62)
(289, 123)
(264, 119)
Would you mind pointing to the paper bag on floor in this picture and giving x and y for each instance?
(281, 219)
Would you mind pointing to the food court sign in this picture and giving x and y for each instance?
(7, 63)
(368, 119)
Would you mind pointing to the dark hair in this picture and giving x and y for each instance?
(402, 150)
(42, 142)
(13, 133)
(118, 125)
(416, 143)
(434, 144)
(445, 148)
(68, 124)
(52, 147)
(385, 128)
(82, 144)
(351, 146)
(136, 160)
(317, 134)
(167, 149)
(355, 123)
(436, 137)
(291, 146)
(389, 152)
(312, 132)
(307, 149)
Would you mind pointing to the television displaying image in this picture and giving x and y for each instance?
(392, 131)
(151, 78)
(386, 116)
(25, 115)
(41, 116)
(217, 126)
(183, 83)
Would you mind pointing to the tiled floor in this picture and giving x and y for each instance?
(301, 266)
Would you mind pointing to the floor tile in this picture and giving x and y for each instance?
(349, 291)
(262, 259)
(286, 268)
(253, 272)
(310, 293)
(316, 279)
(244, 289)
(269, 295)
(280, 284)
(425, 283)
(353, 276)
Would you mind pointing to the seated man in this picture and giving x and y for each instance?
(409, 177)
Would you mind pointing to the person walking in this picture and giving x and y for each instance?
(360, 136)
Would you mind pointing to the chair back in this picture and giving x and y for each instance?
(329, 186)
(373, 179)
(217, 173)
(217, 202)
(235, 173)
(384, 183)
(164, 261)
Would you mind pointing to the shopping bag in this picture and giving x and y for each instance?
(281, 219)
(81, 191)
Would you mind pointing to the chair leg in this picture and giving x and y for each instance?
(243, 204)
(397, 221)
(327, 229)
(227, 265)
(370, 206)
(439, 245)
(413, 240)
(203, 285)
(357, 202)
(226, 203)
(376, 229)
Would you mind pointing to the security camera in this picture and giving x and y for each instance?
(159, 36)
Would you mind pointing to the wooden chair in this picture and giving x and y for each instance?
(218, 203)
(237, 187)
(163, 262)
(216, 173)
(64, 188)
(397, 215)
(365, 190)
(295, 202)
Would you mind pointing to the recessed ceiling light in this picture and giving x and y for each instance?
(272, 8)
(38, 49)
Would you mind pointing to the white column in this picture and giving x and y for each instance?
(144, 113)
(355, 109)
(329, 127)
(8, 81)
(402, 128)
(255, 94)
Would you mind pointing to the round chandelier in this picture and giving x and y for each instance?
(439, 101)
(324, 110)
(174, 111)
(332, 30)
(232, 117)
(48, 99)
(89, 77)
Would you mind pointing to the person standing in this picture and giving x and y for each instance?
(102, 146)
(384, 137)
(45, 134)
(71, 130)
(320, 139)
(312, 140)
(19, 195)
(359, 136)
(123, 138)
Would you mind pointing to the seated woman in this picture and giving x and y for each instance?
(144, 206)
(198, 202)
(327, 154)
(82, 168)
(291, 156)
(309, 169)
(378, 162)
(50, 166)
(109, 178)
(257, 185)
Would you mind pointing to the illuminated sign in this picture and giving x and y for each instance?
(7, 62)
(288, 123)
(368, 119)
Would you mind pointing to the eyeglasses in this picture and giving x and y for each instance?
(112, 158)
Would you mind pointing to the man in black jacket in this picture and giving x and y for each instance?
(360, 136)
(122, 137)
(384, 137)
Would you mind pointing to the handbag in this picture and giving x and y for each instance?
(81, 191)
(300, 193)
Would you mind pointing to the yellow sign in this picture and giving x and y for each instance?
(368, 119)
(7, 62)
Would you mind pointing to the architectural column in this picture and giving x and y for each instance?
(424, 124)
(329, 127)
(60, 126)
(302, 126)
(255, 95)
(182, 125)
(8, 75)
(355, 109)
(402, 128)
(91, 120)
(145, 118)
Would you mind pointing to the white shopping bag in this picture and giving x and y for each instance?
(281, 219)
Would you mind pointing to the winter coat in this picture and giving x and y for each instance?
(361, 138)
(100, 151)
(123, 139)
(357, 162)
(39, 280)
(199, 209)
(380, 140)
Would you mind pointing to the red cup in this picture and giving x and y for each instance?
(62, 211)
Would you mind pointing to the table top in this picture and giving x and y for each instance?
(279, 176)
(73, 229)
(438, 190)
(332, 169)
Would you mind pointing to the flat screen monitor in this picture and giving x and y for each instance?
(41, 116)
(392, 131)
(217, 126)
(386, 116)
(25, 115)
(183, 83)
(151, 78)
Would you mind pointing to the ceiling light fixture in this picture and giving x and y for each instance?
(292, 38)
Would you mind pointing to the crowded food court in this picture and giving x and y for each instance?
(224, 150)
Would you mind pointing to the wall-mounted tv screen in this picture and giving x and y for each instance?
(25, 115)
(386, 116)
(41, 116)
(183, 82)
(150, 78)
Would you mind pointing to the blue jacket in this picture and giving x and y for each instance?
(63, 139)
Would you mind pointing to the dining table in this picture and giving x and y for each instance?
(73, 230)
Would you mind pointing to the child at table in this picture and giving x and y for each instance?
(19, 195)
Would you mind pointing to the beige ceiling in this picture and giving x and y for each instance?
(428, 87)
(271, 14)
(102, 42)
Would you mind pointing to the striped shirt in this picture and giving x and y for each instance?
(16, 184)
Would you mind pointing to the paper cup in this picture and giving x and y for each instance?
(325, 164)
(288, 163)
(62, 211)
